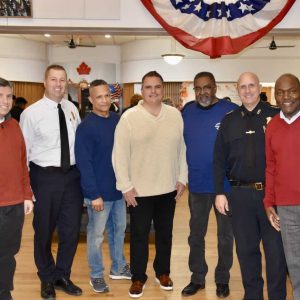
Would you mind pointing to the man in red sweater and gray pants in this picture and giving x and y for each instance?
(282, 193)
(15, 191)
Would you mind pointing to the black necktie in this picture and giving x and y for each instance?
(64, 141)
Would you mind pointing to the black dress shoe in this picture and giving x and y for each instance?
(192, 289)
(222, 290)
(67, 286)
(47, 290)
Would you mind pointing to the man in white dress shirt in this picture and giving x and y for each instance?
(49, 127)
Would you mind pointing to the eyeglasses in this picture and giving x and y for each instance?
(204, 89)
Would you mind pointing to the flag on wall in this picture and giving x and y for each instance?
(115, 91)
(218, 27)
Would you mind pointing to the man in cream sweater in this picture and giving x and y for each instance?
(149, 160)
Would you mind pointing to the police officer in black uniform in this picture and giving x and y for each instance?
(240, 155)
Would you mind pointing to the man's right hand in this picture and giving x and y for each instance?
(221, 203)
(130, 197)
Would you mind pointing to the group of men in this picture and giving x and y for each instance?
(144, 160)
(241, 155)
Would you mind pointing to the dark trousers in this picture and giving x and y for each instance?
(58, 205)
(250, 227)
(161, 210)
(11, 224)
(200, 206)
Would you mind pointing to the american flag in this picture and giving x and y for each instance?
(115, 91)
(218, 27)
(16, 8)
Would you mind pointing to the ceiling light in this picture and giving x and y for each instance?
(47, 35)
(108, 36)
(172, 59)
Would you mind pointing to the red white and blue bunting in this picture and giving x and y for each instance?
(218, 27)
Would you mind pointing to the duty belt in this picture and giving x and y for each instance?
(259, 186)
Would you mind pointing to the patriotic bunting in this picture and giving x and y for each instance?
(216, 27)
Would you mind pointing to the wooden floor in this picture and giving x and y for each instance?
(27, 285)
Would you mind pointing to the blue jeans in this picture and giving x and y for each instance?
(113, 217)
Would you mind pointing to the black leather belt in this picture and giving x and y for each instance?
(259, 186)
(50, 168)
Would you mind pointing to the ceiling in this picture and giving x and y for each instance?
(94, 36)
(84, 35)
(81, 39)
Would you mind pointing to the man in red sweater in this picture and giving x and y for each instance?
(282, 194)
(15, 191)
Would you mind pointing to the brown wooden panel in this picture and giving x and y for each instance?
(128, 91)
(268, 91)
(172, 92)
(31, 91)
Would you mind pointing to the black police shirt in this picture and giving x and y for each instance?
(240, 145)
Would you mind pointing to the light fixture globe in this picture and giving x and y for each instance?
(172, 59)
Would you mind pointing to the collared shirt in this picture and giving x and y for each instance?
(292, 119)
(40, 125)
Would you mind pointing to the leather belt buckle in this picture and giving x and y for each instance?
(258, 186)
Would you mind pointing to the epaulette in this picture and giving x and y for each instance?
(229, 112)
(268, 104)
(274, 108)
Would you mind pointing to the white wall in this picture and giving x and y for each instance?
(103, 60)
(22, 60)
(139, 57)
(26, 61)
(86, 13)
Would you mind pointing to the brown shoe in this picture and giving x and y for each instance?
(136, 289)
(165, 282)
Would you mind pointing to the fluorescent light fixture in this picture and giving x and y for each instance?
(108, 36)
(47, 35)
(172, 59)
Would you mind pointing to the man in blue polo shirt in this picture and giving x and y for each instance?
(105, 205)
(202, 118)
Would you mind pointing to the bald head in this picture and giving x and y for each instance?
(248, 76)
(287, 77)
(249, 89)
(287, 94)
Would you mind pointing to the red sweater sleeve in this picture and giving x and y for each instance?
(269, 199)
(27, 193)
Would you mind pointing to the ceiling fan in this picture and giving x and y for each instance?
(72, 44)
(273, 45)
